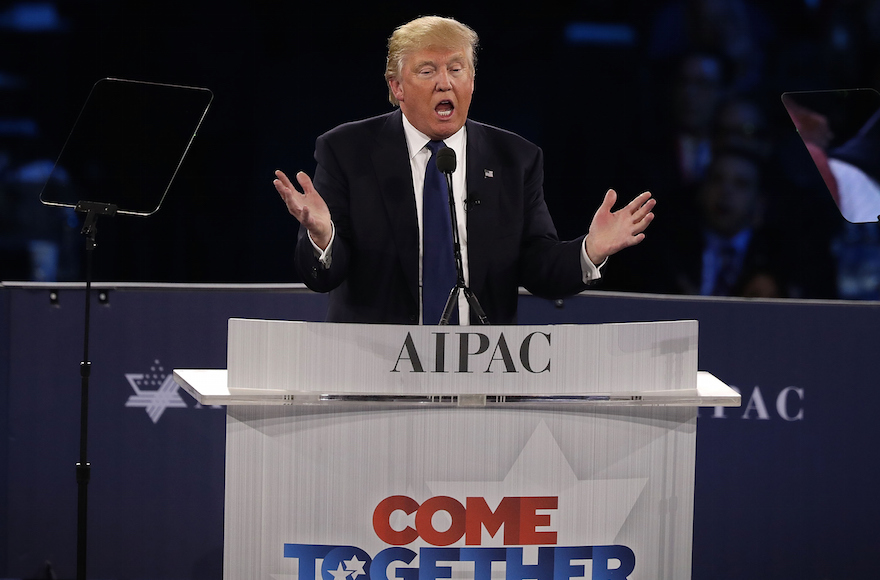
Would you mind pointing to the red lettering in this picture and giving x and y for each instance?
(518, 515)
(479, 516)
(530, 520)
(425, 523)
(382, 520)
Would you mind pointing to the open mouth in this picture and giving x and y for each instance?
(444, 109)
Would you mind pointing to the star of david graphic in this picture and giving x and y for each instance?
(542, 469)
(155, 391)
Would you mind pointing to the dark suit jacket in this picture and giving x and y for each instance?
(364, 175)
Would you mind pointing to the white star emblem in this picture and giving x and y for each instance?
(339, 573)
(543, 470)
(355, 566)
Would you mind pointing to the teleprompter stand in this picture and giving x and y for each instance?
(135, 136)
(92, 211)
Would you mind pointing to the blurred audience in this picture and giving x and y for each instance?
(741, 122)
(727, 251)
(739, 30)
(37, 243)
(675, 145)
(732, 62)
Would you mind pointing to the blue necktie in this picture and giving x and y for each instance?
(438, 262)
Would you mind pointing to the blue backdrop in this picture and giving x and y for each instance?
(784, 484)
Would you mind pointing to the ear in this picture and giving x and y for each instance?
(396, 88)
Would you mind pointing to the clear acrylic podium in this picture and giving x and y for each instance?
(484, 453)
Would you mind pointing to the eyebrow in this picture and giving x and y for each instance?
(455, 58)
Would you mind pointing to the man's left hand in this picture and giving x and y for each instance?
(611, 232)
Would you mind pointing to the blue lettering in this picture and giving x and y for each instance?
(482, 559)
(428, 558)
(562, 566)
(543, 570)
(554, 562)
(602, 555)
(379, 569)
(306, 554)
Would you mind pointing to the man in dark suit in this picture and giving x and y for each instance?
(360, 236)
(731, 250)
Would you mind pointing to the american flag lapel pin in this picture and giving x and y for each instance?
(487, 173)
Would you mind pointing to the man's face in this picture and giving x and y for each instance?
(730, 195)
(434, 88)
(697, 91)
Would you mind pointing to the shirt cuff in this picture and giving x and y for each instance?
(325, 256)
(589, 270)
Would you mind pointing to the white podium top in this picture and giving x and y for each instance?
(210, 387)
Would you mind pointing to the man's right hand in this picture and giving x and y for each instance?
(308, 207)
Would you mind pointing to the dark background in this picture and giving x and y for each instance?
(284, 72)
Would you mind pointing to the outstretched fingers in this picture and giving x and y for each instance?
(641, 210)
(308, 207)
(641, 205)
(609, 201)
(298, 203)
(288, 193)
(306, 183)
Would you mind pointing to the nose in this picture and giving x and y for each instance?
(443, 80)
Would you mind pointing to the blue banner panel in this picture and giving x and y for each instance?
(157, 457)
(784, 484)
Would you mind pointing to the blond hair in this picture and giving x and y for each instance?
(424, 32)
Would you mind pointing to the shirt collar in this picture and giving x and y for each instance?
(416, 140)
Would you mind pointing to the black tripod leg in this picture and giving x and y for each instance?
(451, 304)
(476, 309)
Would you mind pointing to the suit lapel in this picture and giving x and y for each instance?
(394, 175)
(483, 183)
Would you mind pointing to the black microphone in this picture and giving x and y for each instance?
(446, 162)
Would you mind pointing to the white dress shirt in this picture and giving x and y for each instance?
(419, 157)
